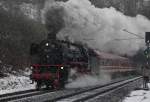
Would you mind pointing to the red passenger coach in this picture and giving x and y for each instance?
(113, 65)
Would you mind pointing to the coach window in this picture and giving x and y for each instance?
(107, 62)
(102, 62)
(117, 63)
(110, 62)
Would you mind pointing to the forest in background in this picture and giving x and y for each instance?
(17, 32)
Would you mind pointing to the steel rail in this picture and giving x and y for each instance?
(15, 93)
(21, 94)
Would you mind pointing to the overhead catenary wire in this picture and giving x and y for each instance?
(137, 35)
(128, 39)
(133, 34)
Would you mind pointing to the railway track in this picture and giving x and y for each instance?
(70, 95)
(91, 93)
(21, 94)
(15, 93)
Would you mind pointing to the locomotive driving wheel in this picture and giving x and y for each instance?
(47, 86)
(62, 84)
(38, 85)
(56, 84)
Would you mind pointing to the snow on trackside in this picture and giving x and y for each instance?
(14, 83)
(138, 96)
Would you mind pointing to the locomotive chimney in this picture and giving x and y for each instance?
(52, 35)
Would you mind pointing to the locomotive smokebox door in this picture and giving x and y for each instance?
(147, 37)
(34, 49)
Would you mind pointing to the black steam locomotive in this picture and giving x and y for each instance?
(52, 60)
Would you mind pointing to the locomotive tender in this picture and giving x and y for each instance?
(52, 61)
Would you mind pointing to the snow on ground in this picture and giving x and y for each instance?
(14, 83)
(138, 96)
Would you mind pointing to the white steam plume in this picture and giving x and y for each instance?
(88, 80)
(78, 80)
(84, 21)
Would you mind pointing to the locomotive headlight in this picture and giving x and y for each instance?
(47, 44)
(61, 67)
(31, 67)
(47, 56)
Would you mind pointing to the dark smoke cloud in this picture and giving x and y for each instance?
(53, 18)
